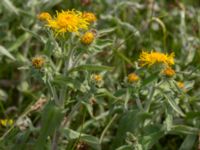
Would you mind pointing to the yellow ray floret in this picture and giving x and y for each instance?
(68, 21)
(151, 58)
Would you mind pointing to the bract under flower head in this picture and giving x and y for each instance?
(151, 58)
(68, 21)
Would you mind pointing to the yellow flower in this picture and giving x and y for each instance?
(151, 58)
(6, 122)
(44, 16)
(87, 38)
(38, 62)
(169, 72)
(132, 77)
(90, 17)
(96, 77)
(180, 85)
(68, 21)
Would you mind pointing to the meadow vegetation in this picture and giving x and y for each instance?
(100, 75)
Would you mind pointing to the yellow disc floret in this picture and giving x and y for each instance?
(68, 21)
(38, 62)
(169, 72)
(180, 84)
(44, 16)
(132, 77)
(87, 38)
(151, 58)
(96, 77)
(89, 16)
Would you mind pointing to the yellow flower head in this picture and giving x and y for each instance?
(151, 58)
(96, 78)
(44, 16)
(132, 77)
(90, 17)
(38, 62)
(180, 85)
(68, 21)
(6, 122)
(169, 72)
(87, 38)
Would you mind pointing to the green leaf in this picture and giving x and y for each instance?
(4, 51)
(33, 33)
(20, 40)
(90, 140)
(129, 122)
(123, 57)
(125, 147)
(174, 105)
(184, 130)
(188, 143)
(91, 68)
(125, 25)
(50, 4)
(51, 119)
(10, 7)
(100, 44)
(150, 79)
(105, 31)
(152, 133)
(105, 92)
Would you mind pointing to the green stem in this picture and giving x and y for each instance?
(127, 99)
(139, 104)
(66, 68)
(69, 117)
(107, 127)
(53, 92)
(147, 107)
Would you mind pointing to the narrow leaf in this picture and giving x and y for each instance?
(90, 140)
(10, 7)
(174, 105)
(4, 51)
(20, 40)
